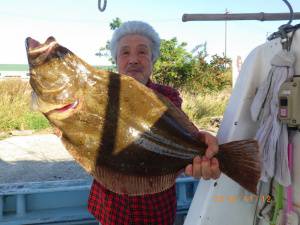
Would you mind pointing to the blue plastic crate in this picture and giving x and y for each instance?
(185, 190)
(65, 202)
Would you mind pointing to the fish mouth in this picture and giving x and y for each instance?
(65, 109)
(68, 107)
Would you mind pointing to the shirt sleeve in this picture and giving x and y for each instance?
(175, 98)
(171, 93)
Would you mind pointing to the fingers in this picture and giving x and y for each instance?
(211, 151)
(215, 169)
(203, 168)
(197, 170)
(206, 167)
(189, 170)
(211, 142)
(206, 170)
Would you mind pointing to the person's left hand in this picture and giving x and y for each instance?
(207, 166)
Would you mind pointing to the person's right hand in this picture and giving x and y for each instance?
(207, 166)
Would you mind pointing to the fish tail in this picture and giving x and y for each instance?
(240, 160)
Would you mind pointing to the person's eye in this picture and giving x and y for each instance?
(142, 52)
(125, 53)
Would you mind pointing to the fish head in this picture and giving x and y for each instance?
(57, 77)
(71, 94)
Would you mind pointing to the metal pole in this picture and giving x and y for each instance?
(21, 205)
(225, 51)
(1, 206)
(239, 16)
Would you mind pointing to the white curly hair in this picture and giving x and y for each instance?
(135, 27)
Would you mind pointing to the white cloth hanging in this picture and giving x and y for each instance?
(272, 134)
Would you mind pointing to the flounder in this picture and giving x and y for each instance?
(128, 137)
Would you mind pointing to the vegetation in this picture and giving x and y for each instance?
(194, 73)
(205, 85)
(15, 113)
(175, 64)
(203, 81)
(206, 110)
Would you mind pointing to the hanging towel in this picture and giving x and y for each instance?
(272, 134)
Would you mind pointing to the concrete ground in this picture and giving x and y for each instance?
(36, 158)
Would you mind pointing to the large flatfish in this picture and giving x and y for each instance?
(128, 137)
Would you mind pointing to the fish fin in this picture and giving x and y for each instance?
(240, 160)
(85, 162)
(178, 114)
(131, 184)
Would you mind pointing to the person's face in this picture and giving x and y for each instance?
(134, 57)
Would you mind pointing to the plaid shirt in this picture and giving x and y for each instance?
(120, 209)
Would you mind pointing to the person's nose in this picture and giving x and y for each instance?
(133, 59)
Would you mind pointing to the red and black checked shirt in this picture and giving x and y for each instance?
(120, 209)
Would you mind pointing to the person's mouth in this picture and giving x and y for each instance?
(134, 71)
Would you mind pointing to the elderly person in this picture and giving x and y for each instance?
(135, 48)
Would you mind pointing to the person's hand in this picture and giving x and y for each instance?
(207, 166)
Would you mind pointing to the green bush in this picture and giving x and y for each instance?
(178, 68)
(36, 121)
(16, 113)
(174, 65)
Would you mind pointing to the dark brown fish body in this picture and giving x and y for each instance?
(130, 138)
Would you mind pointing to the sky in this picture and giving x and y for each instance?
(81, 27)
